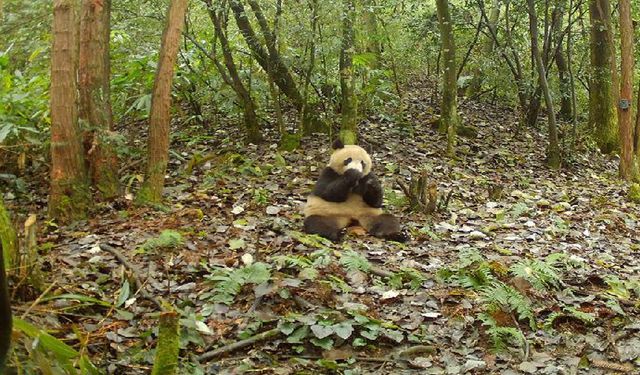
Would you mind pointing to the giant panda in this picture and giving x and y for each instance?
(347, 192)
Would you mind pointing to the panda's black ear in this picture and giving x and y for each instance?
(337, 144)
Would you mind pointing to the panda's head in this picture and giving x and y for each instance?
(346, 157)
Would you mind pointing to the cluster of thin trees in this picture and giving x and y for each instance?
(83, 140)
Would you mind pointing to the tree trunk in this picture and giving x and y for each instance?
(475, 86)
(553, 149)
(449, 112)
(602, 97)
(268, 59)
(7, 237)
(348, 128)
(561, 62)
(244, 96)
(626, 92)
(94, 89)
(158, 143)
(372, 42)
(69, 198)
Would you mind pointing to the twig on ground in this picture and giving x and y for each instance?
(134, 273)
(37, 301)
(239, 344)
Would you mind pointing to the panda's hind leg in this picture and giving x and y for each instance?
(384, 226)
(326, 226)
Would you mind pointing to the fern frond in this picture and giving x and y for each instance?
(542, 275)
(354, 261)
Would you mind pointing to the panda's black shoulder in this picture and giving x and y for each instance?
(327, 176)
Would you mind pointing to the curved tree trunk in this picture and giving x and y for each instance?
(160, 117)
(69, 198)
(449, 111)
(95, 104)
(349, 123)
(602, 96)
(553, 149)
(244, 96)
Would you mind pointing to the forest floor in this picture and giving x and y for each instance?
(541, 278)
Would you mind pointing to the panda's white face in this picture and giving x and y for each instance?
(354, 164)
(350, 157)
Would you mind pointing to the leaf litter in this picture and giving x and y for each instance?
(541, 277)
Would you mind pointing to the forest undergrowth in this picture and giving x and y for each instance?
(525, 270)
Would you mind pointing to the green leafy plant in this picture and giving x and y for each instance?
(168, 239)
(542, 275)
(227, 282)
(354, 261)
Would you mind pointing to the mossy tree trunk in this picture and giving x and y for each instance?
(349, 120)
(566, 111)
(449, 111)
(95, 104)
(372, 38)
(168, 346)
(553, 149)
(488, 46)
(69, 199)
(628, 166)
(160, 117)
(602, 95)
(232, 77)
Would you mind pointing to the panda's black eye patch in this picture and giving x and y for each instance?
(364, 165)
(347, 161)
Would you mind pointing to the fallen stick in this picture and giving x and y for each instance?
(239, 344)
(134, 273)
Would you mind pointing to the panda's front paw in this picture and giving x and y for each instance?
(352, 175)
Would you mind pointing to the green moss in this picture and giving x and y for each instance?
(168, 239)
(289, 142)
(71, 203)
(634, 193)
(7, 237)
(348, 137)
(168, 347)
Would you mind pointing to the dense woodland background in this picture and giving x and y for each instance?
(154, 157)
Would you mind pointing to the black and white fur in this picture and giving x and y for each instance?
(348, 192)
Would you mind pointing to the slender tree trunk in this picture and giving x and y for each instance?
(553, 149)
(69, 198)
(94, 88)
(5, 303)
(244, 96)
(268, 59)
(602, 96)
(475, 87)
(449, 111)
(372, 39)
(348, 129)
(561, 62)
(625, 111)
(160, 117)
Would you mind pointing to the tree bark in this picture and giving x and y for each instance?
(349, 123)
(561, 62)
(626, 92)
(160, 117)
(602, 96)
(372, 42)
(449, 111)
(475, 86)
(244, 96)
(7, 235)
(553, 149)
(268, 59)
(69, 198)
(95, 104)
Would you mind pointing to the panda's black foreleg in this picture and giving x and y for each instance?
(385, 226)
(325, 226)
